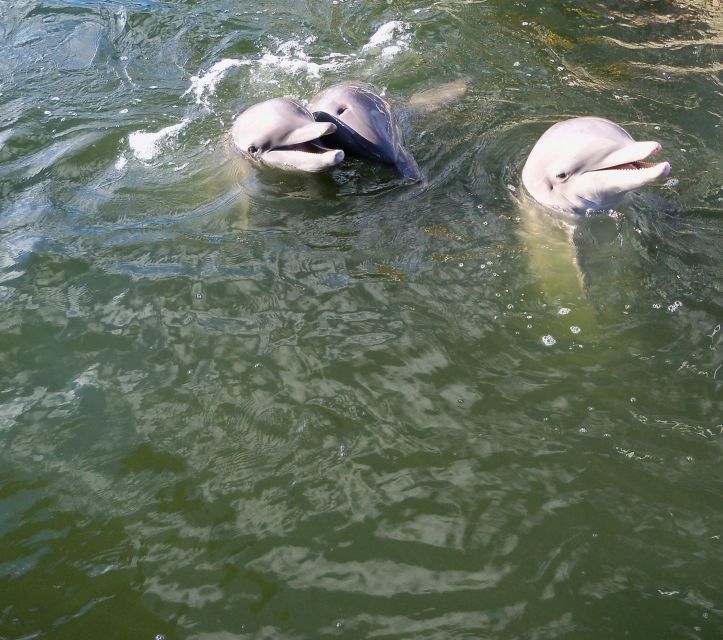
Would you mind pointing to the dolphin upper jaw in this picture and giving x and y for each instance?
(306, 133)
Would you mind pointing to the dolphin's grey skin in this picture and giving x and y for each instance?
(281, 133)
(588, 163)
(365, 126)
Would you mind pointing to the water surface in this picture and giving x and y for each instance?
(241, 404)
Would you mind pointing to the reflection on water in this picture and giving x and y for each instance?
(255, 404)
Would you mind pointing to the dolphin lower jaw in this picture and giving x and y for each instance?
(302, 157)
(603, 188)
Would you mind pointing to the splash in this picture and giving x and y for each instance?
(395, 32)
(145, 145)
(205, 83)
(290, 58)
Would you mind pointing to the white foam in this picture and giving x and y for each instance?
(396, 33)
(146, 145)
(205, 83)
(291, 58)
(291, 65)
(121, 163)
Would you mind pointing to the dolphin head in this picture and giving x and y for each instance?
(281, 133)
(588, 163)
(365, 126)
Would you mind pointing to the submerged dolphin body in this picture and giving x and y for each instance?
(281, 133)
(365, 126)
(588, 163)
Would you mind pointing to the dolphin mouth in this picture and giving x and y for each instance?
(631, 166)
(310, 146)
(302, 150)
(632, 159)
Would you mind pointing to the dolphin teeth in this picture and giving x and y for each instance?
(311, 146)
(630, 166)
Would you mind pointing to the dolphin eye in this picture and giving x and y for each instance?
(561, 176)
(340, 110)
(252, 149)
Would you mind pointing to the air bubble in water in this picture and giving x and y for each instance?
(563, 311)
(548, 340)
(575, 329)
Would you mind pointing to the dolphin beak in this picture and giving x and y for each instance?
(616, 173)
(627, 169)
(301, 149)
(631, 158)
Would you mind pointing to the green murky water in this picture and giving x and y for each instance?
(252, 405)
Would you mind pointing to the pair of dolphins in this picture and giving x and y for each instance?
(345, 119)
(577, 165)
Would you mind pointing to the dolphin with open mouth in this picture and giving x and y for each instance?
(281, 133)
(588, 163)
(365, 126)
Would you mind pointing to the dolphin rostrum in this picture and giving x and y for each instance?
(365, 126)
(281, 133)
(588, 163)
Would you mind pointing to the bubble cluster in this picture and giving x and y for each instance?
(548, 340)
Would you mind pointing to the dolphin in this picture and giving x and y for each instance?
(365, 126)
(588, 163)
(283, 134)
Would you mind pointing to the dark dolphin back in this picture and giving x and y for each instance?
(366, 127)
